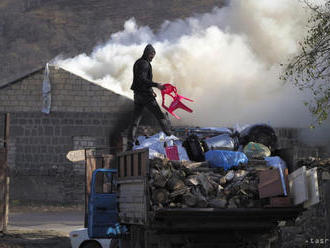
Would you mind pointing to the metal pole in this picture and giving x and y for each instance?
(6, 134)
(86, 197)
(6, 175)
(6, 205)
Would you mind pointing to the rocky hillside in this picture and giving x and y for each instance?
(34, 31)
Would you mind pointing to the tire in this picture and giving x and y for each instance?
(91, 244)
(115, 243)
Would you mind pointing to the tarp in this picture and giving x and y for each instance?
(225, 159)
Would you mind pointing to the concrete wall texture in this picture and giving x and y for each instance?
(80, 110)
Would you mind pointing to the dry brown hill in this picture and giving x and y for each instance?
(34, 31)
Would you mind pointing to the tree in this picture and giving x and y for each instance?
(309, 70)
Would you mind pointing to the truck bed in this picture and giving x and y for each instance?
(214, 218)
(134, 205)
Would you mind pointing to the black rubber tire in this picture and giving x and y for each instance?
(91, 244)
(115, 244)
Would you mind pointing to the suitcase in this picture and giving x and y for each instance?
(194, 148)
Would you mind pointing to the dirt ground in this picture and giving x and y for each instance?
(34, 239)
(41, 227)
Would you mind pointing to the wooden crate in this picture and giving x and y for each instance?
(133, 190)
(133, 164)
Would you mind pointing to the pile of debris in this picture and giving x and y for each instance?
(217, 168)
(175, 184)
(323, 165)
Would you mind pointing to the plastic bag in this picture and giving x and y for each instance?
(225, 159)
(259, 133)
(239, 128)
(156, 147)
(256, 150)
(276, 162)
(219, 142)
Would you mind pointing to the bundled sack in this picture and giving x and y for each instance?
(220, 142)
(256, 150)
(259, 133)
(194, 148)
(225, 159)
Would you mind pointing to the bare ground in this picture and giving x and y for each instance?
(41, 227)
(34, 239)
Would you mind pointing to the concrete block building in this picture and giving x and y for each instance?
(82, 114)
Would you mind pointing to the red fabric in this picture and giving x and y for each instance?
(172, 153)
(176, 103)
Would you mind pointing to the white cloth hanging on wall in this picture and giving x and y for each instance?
(46, 92)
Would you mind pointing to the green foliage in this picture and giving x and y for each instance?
(310, 70)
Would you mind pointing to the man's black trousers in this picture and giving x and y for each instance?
(141, 102)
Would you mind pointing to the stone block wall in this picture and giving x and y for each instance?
(39, 143)
(40, 172)
(70, 93)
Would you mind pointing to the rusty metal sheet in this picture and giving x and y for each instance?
(270, 183)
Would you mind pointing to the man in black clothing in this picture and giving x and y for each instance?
(144, 96)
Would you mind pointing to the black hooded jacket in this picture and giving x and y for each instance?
(142, 74)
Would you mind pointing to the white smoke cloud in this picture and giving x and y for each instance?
(227, 61)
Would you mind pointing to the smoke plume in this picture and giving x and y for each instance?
(227, 61)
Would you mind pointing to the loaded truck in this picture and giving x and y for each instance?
(118, 194)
